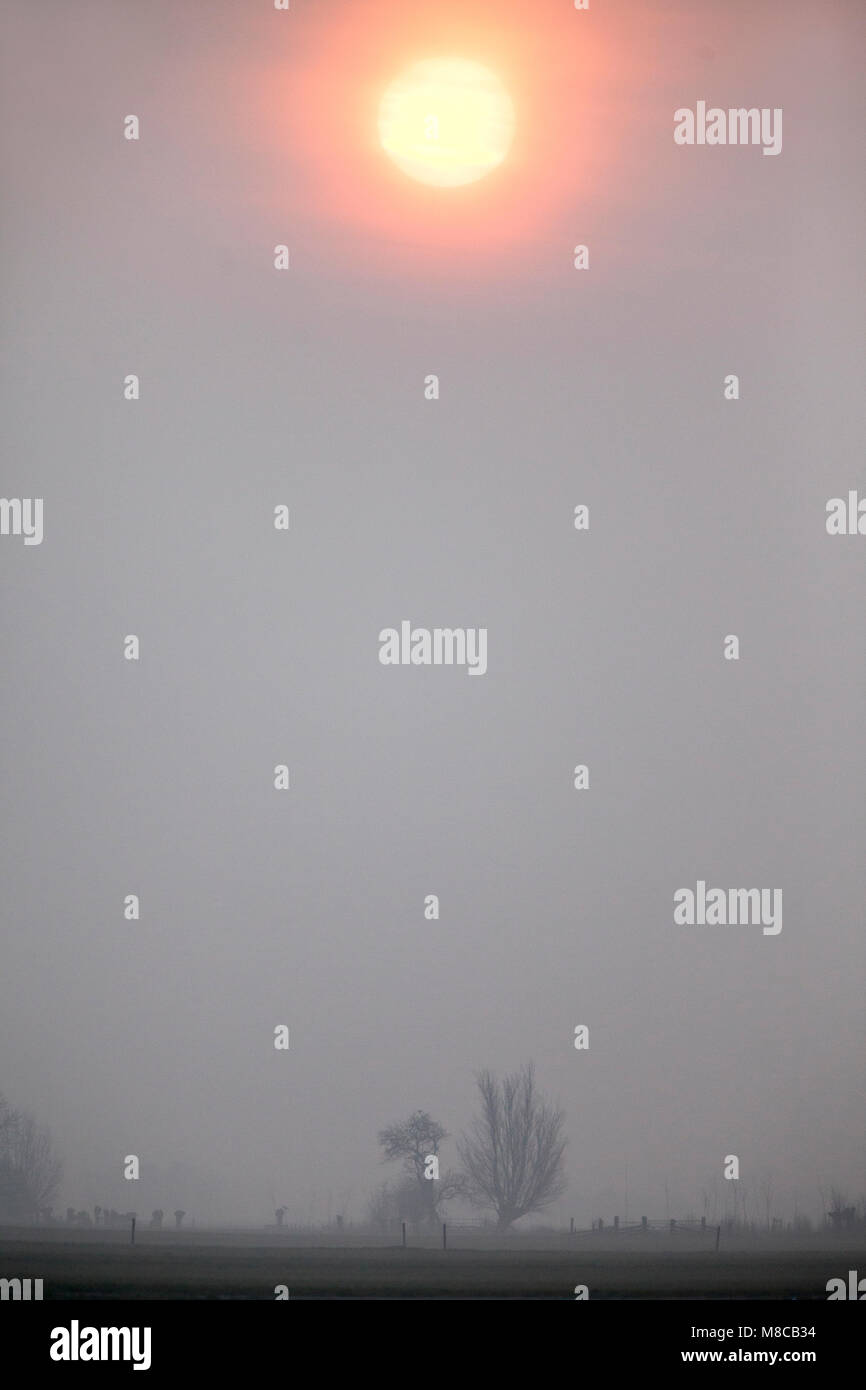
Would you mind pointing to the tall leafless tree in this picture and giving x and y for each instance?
(513, 1154)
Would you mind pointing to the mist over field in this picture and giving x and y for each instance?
(153, 1032)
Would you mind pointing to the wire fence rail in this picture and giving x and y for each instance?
(467, 1233)
(689, 1233)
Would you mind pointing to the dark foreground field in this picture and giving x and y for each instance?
(96, 1266)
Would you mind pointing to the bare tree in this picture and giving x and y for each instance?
(415, 1142)
(766, 1190)
(514, 1151)
(840, 1213)
(13, 1197)
(30, 1169)
(412, 1140)
(710, 1199)
(381, 1210)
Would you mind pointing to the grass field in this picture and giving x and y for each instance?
(104, 1266)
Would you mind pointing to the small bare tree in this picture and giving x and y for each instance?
(766, 1190)
(513, 1155)
(840, 1213)
(381, 1211)
(416, 1141)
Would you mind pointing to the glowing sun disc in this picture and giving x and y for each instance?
(446, 121)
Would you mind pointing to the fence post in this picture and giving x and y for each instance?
(718, 1233)
(616, 1223)
(643, 1223)
(444, 1236)
(571, 1231)
(404, 1235)
(132, 1238)
(703, 1223)
(673, 1224)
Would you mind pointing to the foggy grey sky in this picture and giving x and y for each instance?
(604, 648)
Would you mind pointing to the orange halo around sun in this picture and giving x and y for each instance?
(446, 121)
(524, 134)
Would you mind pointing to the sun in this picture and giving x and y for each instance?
(446, 121)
